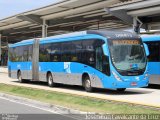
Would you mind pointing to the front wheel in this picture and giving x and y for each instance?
(50, 80)
(87, 84)
(121, 89)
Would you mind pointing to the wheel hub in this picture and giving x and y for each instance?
(88, 83)
(50, 80)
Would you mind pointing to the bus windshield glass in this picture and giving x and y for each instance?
(127, 55)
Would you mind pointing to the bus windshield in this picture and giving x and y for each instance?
(127, 55)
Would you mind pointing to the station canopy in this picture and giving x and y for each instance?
(78, 15)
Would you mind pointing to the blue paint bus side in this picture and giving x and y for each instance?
(107, 81)
(76, 70)
(154, 66)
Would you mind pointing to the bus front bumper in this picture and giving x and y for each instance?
(130, 84)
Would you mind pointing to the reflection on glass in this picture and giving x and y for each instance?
(127, 55)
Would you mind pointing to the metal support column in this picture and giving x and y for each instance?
(136, 25)
(44, 29)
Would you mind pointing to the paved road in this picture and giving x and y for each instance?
(13, 109)
(142, 96)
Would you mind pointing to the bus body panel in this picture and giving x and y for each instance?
(73, 75)
(127, 81)
(70, 75)
(154, 71)
(154, 68)
(71, 72)
(154, 63)
(24, 67)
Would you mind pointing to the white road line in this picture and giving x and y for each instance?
(51, 111)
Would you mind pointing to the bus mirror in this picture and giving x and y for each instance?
(105, 50)
(146, 49)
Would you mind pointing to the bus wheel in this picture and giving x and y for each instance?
(121, 89)
(50, 80)
(87, 84)
(19, 76)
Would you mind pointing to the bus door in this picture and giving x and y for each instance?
(102, 62)
(99, 61)
(35, 61)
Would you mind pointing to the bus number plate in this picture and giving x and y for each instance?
(133, 84)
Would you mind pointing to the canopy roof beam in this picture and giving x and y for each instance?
(31, 18)
(121, 14)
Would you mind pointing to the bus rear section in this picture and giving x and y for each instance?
(92, 59)
(20, 60)
(153, 42)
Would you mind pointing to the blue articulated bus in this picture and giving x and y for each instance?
(93, 59)
(153, 42)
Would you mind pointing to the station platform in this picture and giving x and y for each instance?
(140, 96)
(3, 69)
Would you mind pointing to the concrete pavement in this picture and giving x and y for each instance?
(11, 107)
(4, 69)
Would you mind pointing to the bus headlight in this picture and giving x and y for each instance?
(146, 75)
(116, 76)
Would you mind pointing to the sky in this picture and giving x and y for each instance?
(12, 7)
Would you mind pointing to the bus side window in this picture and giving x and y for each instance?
(44, 50)
(15, 55)
(154, 48)
(11, 53)
(88, 52)
(77, 51)
(55, 54)
(66, 49)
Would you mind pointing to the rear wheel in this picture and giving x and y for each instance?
(50, 80)
(87, 84)
(19, 76)
(121, 89)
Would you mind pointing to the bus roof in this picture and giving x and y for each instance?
(104, 33)
(68, 35)
(150, 38)
(24, 42)
(100, 33)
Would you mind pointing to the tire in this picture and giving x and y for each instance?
(19, 76)
(87, 84)
(121, 89)
(50, 80)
